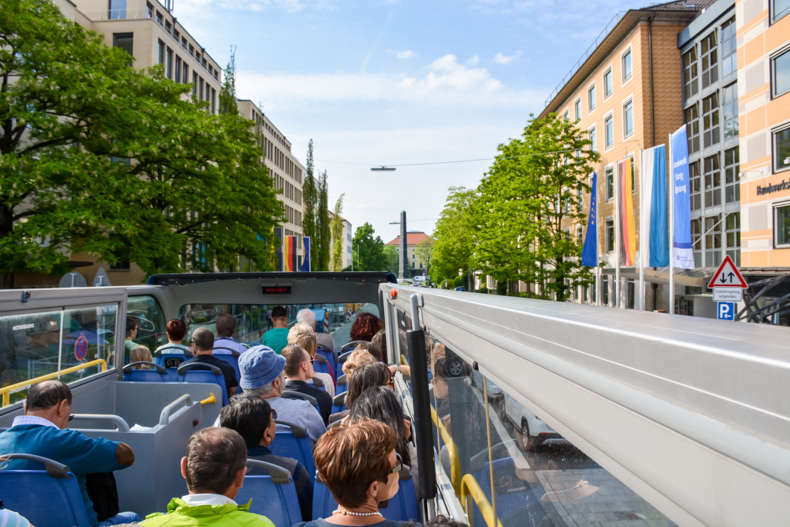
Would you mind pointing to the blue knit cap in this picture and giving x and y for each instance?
(259, 366)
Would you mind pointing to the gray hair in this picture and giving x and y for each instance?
(306, 316)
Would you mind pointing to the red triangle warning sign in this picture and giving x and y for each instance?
(727, 275)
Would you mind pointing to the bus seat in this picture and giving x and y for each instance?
(339, 403)
(273, 495)
(402, 507)
(349, 346)
(233, 360)
(24, 491)
(331, 356)
(515, 498)
(321, 365)
(156, 374)
(294, 443)
(170, 361)
(197, 372)
(342, 384)
(317, 382)
(343, 357)
(293, 394)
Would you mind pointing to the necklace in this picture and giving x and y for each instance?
(352, 513)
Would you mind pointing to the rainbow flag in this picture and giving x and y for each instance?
(289, 254)
(627, 223)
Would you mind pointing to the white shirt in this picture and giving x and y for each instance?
(194, 500)
(32, 420)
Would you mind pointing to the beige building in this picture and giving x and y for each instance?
(415, 263)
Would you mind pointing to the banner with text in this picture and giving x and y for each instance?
(683, 256)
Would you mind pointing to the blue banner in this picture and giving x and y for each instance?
(683, 256)
(590, 249)
(659, 224)
(306, 260)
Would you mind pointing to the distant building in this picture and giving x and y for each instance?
(416, 265)
(347, 237)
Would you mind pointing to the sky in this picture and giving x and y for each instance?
(430, 87)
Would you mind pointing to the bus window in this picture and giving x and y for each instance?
(146, 311)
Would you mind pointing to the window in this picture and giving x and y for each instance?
(627, 70)
(690, 73)
(733, 233)
(149, 10)
(609, 171)
(194, 83)
(732, 178)
(577, 107)
(779, 8)
(695, 183)
(566, 116)
(782, 225)
(591, 98)
(593, 140)
(608, 125)
(696, 241)
(605, 290)
(628, 118)
(161, 52)
(125, 41)
(185, 73)
(729, 59)
(580, 235)
(117, 9)
(692, 127)
(712, 176)
(214, 104)
(169, 64)
(710, 62)
(713, 239)
(729, 110)
(782, 149)
(710, 120)
(609, 234)
(178, 69)
(780, 73)
(607, 83)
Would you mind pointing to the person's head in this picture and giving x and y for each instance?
(251, 417)
(50, 400)
(378, 345)
(141, 354)
(226, 325)
(440, 388)
(298, 363)
(306, 316)
(357, 358)
(215, 462)
(261, 372)
(367, 376)
(279, 317)
(132, 326)
(381, 403)
(303, 335)
(356, 462)
(365, 325)
(176, 329)
(202, 341)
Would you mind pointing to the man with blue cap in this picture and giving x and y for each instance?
(263, 375)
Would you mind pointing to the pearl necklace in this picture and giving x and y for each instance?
(352, 513)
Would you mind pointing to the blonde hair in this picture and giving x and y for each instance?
(302, 335)
(141, 354)
(357, 358)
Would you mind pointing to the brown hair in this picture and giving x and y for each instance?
(378, 345)
(365, 326)
(226, 325)
(349, 457)
(214, 456)
(294, 357)
(303, 335)
(141, 354)
(364, 377)
(176, 329)
(357, 358)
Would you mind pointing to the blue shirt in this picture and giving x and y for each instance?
(224, 345)
(298, 412)
(82, 454)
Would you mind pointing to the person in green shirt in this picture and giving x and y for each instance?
(277, 337)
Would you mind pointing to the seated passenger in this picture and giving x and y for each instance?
(378, 348)
(360, 467)
(364, 377)
(365, 325)
(358, 357)
(302, 335)
(214, 469)
(325, 340)
(141, 354)
(253, 418)
(226, 328)
(277, 337)
(176, 331)
(202, 345)
(132, 327)
(262, 375)
(42, 431)
(298, 370)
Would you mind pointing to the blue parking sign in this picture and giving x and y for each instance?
(726, 311)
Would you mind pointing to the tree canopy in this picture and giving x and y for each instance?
(368, 251)
(454, 236)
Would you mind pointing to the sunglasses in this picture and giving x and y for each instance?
(399, 466)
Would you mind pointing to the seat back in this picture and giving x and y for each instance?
(330, 356)
(170, 361)
(293, 394)
(339, 403)
(322, 365)
(25, 491)
(402, 507)
(295, 443)
(197, 372)
(350, 346)
(233, 360)
(273, 495)
(155, 373)
(342, 384)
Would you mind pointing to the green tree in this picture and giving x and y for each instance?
(323, 229)
(527, 203)
(338, 242)
(391, 258)
(310, 197)
(423, 251)
(227, 94)
(454, 236)
(368, 251)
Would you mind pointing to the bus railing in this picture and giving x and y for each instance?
(470, 490)
(455, 464)
(6, 391)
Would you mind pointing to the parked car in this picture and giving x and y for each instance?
(531, 430)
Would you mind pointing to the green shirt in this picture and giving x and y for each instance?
(276, 339)
(180, 514)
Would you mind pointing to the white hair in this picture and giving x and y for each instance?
(306, 316)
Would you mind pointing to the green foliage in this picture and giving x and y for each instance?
(310, 197)
(454, 236)
(322, 228)
(368, 251)
(391, 256)
(227, 94)
(338, 242)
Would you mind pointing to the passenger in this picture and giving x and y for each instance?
(262, 375)
(378, 348)
(298, 370)
(302, 335)
(202, 346)
(226, 328)
(365, 325)
(141, 354)
(364, 377)
(277, 337)
(176, 331)
(214, 469)
(357, 358)
(325, 340)
(132, 327)
(42, 431)
(253, 418)
(360, 467)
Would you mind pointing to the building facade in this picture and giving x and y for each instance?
(416, 261)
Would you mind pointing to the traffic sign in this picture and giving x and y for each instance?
(726, 311)
(727, 294)
(727, 275)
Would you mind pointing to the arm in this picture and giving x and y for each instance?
(124, 454)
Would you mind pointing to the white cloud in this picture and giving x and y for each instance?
(499, 58)
(474, 60)
(406, 54)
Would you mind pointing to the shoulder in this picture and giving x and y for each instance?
(246, 518)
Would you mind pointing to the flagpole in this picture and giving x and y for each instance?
(617, 233)
(642, 191)
(671, 193)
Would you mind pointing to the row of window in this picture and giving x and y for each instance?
(717, 119)
(157, 15)
(293, 216)
(701, 63)
(608, 127)
(177, 69)
(282, 161)
(627, 71)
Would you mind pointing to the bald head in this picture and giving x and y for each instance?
(203, 339)
(47, 394)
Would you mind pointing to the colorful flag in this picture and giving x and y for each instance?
(306, 260)
(683, 256)
(627, 228)
(289, 254)
(654, 232)
(590, 249)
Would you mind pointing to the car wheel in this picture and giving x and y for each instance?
(526, 441)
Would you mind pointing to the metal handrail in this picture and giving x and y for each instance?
(470, 488)
(455, 464)
(6, 391)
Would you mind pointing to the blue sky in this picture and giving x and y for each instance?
(388, 82)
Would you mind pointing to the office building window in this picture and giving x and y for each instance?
(609, 182)
(780, 73)
(690, 73)
(593, 140)
(710, 61)
(169, 64)
(566, 116)
(729, 59)
(729, 110)
(782, 225)
(779, 8)
(607, 83)
(185, 73)
(161, 52)
(695, 183)
(733, 233)
(696, 241)
(713, 239)
(605, 290)
(608, 125)
(692, 127)
(117, 9)
(627, 70)
(609, 234)
(732, 178)
(214, 104)
(577, 107)
(628, 118)
(591, 98)
(149, 10)
(178, 69)
(125, 41)
(710, 120)
(782, 149)
(712, 170)
(194, 84)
